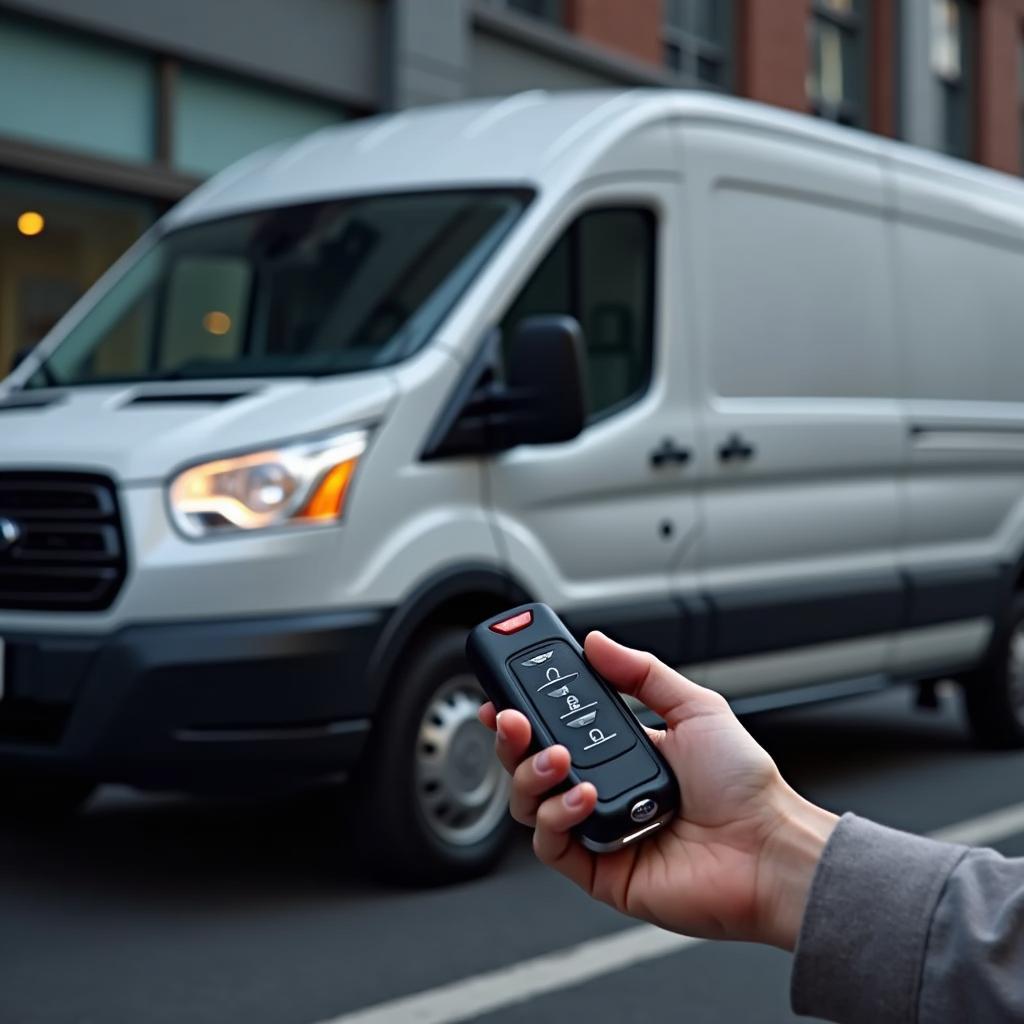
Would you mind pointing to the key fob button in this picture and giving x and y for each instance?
(572, 704)
(612, 779)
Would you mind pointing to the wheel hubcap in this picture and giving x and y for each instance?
(461, 788)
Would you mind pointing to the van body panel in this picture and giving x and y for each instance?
(412, 519)
(798, 369)
(147, 432)
(519, 139)
(960, 261)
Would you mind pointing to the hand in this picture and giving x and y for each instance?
(738, 860)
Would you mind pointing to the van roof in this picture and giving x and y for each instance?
(530, 139)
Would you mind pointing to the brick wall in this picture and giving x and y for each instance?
(998, 125)
(772, 51)
(882, 77)
(632, 28)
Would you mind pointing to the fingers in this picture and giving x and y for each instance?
(553, 818)
(533, 779)
(488, 715)
(553, 841)
(653, 683)
(513, 731)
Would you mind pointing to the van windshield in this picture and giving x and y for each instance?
(322, 288)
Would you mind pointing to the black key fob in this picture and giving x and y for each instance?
(526, 659)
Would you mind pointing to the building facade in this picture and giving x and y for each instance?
(112, 110)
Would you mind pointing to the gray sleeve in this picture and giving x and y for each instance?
(904, 929)
(865, 934)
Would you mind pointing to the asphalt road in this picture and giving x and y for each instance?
(164, 910)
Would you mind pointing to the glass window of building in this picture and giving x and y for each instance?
(218, 119)
(54, 242)
(62, 89)
(601, 272)
(953, 28)
(838, 66)
(548, 10)
(697, 38)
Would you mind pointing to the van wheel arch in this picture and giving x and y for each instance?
(460, 596)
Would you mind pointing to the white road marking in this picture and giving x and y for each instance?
(564, 968)
(483, 993)
(985, 829)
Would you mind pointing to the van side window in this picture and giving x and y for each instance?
(601, 271)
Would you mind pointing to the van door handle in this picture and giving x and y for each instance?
(736, 449)
(668, 451)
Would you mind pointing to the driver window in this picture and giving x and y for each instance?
(601, 271)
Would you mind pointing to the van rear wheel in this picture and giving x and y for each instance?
(994, 695)
(431, 795)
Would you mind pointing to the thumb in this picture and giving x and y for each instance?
(639, 674)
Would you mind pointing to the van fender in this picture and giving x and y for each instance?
(459, 595)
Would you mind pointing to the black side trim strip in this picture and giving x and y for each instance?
(675, 630)
(948, 594)
(763, 619)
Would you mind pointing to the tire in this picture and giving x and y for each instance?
(431, 799)
(994, 695)
(38, 800)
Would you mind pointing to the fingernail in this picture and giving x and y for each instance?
(502, 735)
(574, 798)
(543, 762)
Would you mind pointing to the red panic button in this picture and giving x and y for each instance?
(509, 626)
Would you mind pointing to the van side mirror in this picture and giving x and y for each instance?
(540, 400)
(544, 371)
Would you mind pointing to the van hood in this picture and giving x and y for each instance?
(144, 432)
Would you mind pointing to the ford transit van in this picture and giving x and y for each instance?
(736, 386)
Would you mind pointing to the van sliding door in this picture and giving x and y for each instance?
(960, 250)
(790, 277)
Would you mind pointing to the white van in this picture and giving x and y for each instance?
(736, 386)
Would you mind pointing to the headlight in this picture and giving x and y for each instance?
(292, 485)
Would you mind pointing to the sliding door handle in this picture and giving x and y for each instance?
(736, 449)
(668, 451)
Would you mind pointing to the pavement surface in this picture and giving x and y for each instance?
(147, 910)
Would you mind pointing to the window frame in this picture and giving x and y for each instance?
(960, 93)
(695, 47)
(855, 26)
(569, 229)
(555, 13)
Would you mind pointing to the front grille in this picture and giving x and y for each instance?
(68, 550)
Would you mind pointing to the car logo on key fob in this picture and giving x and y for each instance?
(643, 810)
(539, 659)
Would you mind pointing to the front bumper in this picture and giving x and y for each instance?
(195, 706)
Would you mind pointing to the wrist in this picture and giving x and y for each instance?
(789, 857)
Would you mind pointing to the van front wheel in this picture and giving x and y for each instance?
(994, 695)
(432, 795)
